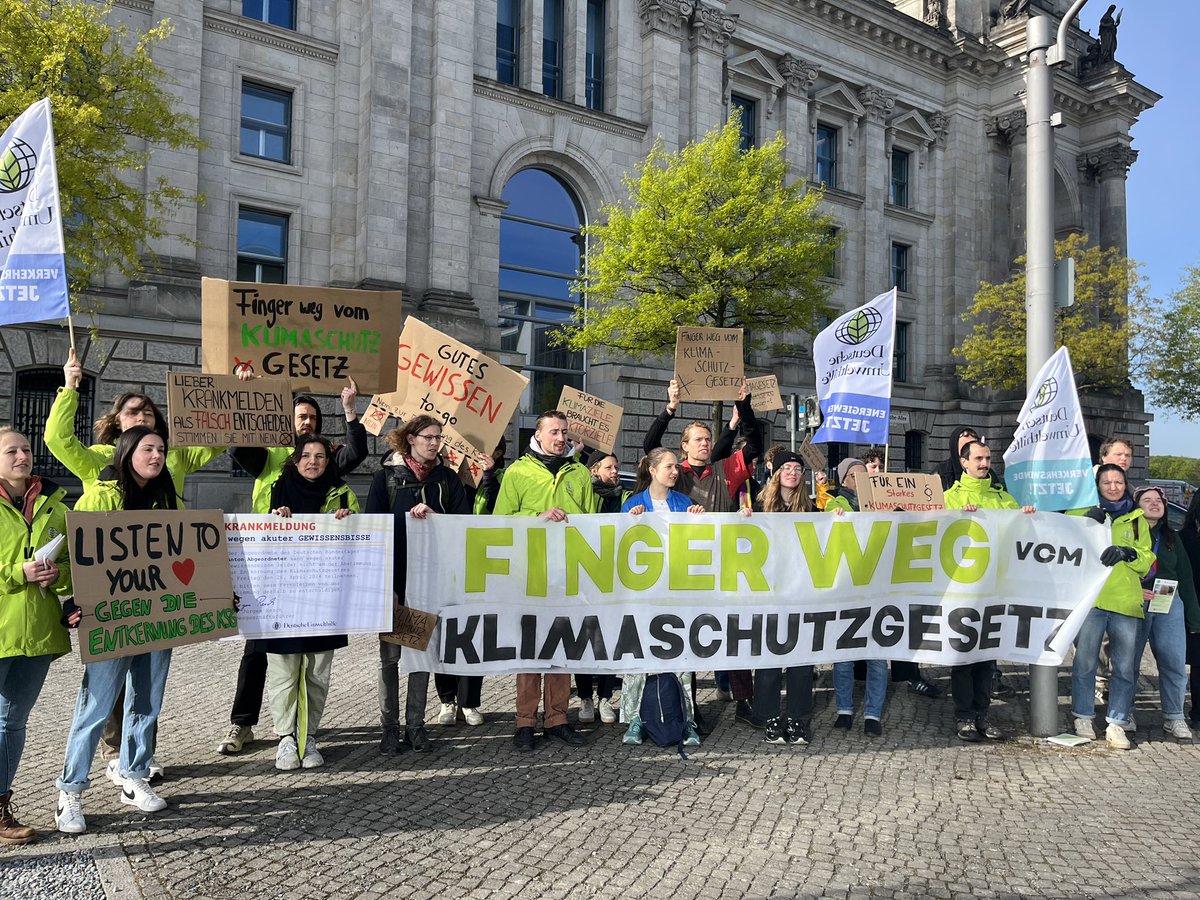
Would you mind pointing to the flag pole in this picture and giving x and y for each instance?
(71, 331)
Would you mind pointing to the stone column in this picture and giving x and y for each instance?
(450, 207)
(1111, 165)
(873, 152)
(662, 33)
(1009, 130)
(799, 78)
(711, 31)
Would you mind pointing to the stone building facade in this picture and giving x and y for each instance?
(429, 147)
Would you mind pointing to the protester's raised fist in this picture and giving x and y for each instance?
(744, 390)
(72, 371)
(673, 395)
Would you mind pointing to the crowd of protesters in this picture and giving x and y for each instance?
(133, 467)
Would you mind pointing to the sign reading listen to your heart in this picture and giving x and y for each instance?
(149, 580)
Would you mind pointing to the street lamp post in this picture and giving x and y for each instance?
(1045, 50)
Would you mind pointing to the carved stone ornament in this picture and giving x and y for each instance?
(711, 28)
(935, 14)
(798, 75)
(1007, 127)
(1107, 162)
(939, 122)
(877, 102)
(667, 16)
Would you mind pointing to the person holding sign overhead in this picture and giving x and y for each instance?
(551, 485)
(1168, 584)
(32, 515)
(299, 669)
(413, 480)
(266, 465)
(137, 479)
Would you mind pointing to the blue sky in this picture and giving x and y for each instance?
(1159, 42)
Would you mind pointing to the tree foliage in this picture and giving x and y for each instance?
(711, 235)
(1183, 468)
(110, 110)
(1172, 372)
(1106, 329)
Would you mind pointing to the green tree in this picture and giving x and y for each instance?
(1172, 372)
(1106, 330)
(110, 111)
(1183, 468)
(711, 235)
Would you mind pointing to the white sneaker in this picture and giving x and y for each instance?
(608, 713)
(312, 755)
(1085, 728)
(113, 771)
(287, 757)
(68, 816)
(1115, 736)
(235, 738)
(137, 792)
(587, 711)
(1177, 728)
(448, 714)
(472, 715)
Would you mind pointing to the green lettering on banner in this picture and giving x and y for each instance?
(749, 563)
(599, 566)
(479, 564)
(683, 556)
(908, 552)
(651, 563)
(842, 544)
(535, 563)
(971, 564)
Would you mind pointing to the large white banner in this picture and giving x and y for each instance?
(853, 359)
(677, 592)
(1049, 463)
(311, 575)
(33, 272)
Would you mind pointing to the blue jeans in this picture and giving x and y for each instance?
(145, 680)
(1122, 636)
(877, 682)
(1167, 634)
(21, 680)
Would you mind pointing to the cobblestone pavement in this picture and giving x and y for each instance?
(912, 814)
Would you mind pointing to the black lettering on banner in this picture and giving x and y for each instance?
(670, 645)
(990, 627)
(735, 634)
(849, 639)
(1053, 613)
(890, 637)
(561, 632)
(491, 633)
(774, 645)
(1025, 615)
(919, 625)
(459, 637)
(818, 620)
(528, 637)
(704, 651)
(962, 621)
(629, 642)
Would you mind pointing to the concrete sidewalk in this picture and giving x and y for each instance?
(912, 814)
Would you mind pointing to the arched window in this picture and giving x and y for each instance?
(36, 389)
(541, 250)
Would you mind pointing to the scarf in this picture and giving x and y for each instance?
(1117, 508)
(299, 494)
(420, 470)
(549, 460)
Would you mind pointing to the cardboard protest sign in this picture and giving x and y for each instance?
(375, 418)
(316, 337)
(891, 491)
(458, 452)
(709, 362)
(813, 457)
(764, 393)
(444, 378)
(590, 419)
(149, 579)
(221, 411)
(411, 628)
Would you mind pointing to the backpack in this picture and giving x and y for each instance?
(664, 711)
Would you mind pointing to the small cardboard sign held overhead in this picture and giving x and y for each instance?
(899, 491)
(315, 337)
(813, 457)
(594, 421)
(709, 363)
(222, 411)
(764, 393)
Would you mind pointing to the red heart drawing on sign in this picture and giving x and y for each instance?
(184, 570)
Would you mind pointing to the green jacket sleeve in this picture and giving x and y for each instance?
(1140, 542)
(508, 501)
(186, 460)
(84, 463)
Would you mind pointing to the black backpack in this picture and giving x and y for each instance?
(664, 711)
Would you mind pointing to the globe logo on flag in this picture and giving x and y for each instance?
(859, 326)
(1046, 393)
(17, 166)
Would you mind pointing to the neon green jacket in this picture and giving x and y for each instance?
(86, 463)
(529, 489)
(981, 492)
(1122, 592)
(105, 496)
(29, 620)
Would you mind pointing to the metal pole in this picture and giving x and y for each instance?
(1039, 266)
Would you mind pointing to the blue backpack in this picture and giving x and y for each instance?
(664, 711)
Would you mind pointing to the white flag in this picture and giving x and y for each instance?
(1048, 464)
(853, 359)
(33, 272)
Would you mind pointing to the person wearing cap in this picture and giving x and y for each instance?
(1167, 631)
(971, 684)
